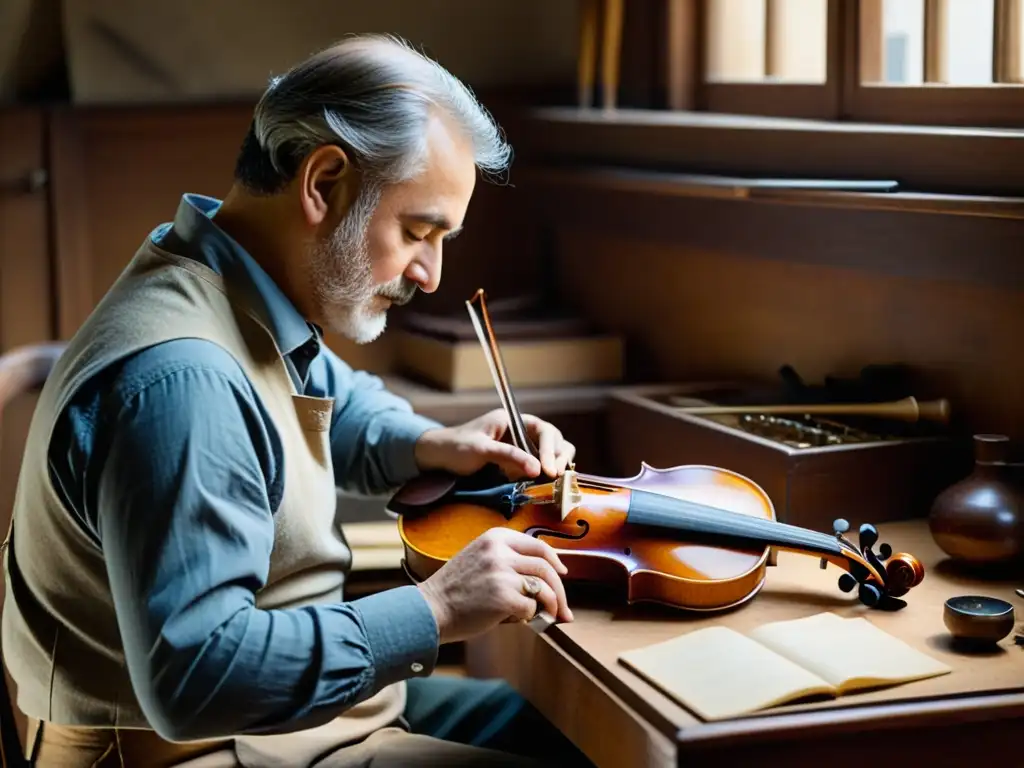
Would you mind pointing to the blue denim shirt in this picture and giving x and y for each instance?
(170, 463)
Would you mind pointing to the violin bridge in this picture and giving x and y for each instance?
(567, 492)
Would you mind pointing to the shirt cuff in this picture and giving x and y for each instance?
(396, 435)
(402, 634)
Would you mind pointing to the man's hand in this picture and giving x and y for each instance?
(469, 447)
(491, 580)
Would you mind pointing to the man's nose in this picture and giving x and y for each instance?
(426, 272)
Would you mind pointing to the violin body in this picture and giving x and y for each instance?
(598, 546)
(693, 537)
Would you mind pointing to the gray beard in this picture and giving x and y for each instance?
(341, 271)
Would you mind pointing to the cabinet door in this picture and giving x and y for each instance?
(26, 303)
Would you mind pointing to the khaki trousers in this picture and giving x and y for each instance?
(54, 746)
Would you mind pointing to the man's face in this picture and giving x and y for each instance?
(389, 242)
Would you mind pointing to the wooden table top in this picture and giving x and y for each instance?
(797, 587)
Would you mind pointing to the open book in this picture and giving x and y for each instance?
(718, 673)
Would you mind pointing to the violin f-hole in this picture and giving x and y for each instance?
(539, 531)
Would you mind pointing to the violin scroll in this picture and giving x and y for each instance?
(880, 584)
(903, 573)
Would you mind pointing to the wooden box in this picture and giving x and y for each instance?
(863, 482)
(460, 365)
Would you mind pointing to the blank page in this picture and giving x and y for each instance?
(848, 653)
(717, 673)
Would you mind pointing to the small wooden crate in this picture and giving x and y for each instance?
(866, 482)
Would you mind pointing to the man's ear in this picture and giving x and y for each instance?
(327, 183)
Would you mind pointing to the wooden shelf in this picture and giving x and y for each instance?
(457, 407)
(775, 191)
(934, 159)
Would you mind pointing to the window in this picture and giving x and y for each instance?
(937, 61)
(953, 62)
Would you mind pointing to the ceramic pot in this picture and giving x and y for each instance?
(980, 520)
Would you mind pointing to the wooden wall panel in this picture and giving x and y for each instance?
(692, 309)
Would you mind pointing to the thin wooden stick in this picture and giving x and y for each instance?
(1006, 52)
(587, 63)
(936, 42)
(611, 52)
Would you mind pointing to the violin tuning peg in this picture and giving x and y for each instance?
(847, 582)
(884, 551)
(870, 595)
(868, 536)
(840, 526)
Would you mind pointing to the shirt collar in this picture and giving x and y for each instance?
(195, 234)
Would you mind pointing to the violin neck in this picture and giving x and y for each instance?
(721, 527)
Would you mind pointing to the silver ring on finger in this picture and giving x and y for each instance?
(531, 586)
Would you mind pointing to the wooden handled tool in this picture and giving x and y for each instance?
(907, 409)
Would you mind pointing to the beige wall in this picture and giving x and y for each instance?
(158, 50)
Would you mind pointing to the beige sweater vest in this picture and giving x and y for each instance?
(60, 634)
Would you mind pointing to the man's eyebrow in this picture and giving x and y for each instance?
(438, 220)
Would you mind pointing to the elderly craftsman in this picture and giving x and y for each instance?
(175, 567)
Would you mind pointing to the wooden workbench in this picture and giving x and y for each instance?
(572, 675)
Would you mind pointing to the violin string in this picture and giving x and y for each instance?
(728, 521)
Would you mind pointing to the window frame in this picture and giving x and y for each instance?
(842, 96)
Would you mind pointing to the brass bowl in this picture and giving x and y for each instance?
(977, 619)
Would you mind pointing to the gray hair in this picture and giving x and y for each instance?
(372, 95)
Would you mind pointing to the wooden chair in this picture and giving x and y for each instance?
(22, 370)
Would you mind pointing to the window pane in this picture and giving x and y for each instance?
(767, 41)
(969, 26)
(797, 41)
(736, 36)
(902, 48)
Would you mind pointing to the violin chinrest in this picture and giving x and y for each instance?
(423, 490)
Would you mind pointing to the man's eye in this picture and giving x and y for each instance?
(413, 236)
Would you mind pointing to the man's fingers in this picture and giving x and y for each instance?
(546, 448)
(566, 453)
(525, 544)
(552, 594)
(548, 438)
(523, 607)
(512, 460)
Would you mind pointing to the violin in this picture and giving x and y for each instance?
(692, 537)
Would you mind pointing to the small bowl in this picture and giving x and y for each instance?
(977, 619)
